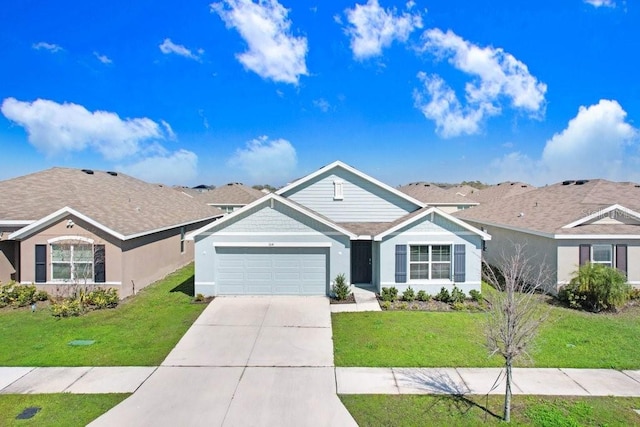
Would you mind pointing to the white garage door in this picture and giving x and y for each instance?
(271, 271)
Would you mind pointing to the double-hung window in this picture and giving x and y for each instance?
(428, 262)
(602, 254)
(72, 261)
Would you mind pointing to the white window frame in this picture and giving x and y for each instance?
(338, 190)
(430, 261)
(72, 241)
(609, 263)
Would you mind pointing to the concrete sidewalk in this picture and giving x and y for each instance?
(533, 381)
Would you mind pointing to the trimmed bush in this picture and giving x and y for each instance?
(443, 295)
(389, 294)
(17, 295)
(457, 295)
(596, 287)
(340, 287)
(100, 298)
(66, 308)
(422, 295)
(409, 294)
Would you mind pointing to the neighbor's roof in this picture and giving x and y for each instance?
(432, 194)
(564, 208)
(121, 203)
(233, 193)
(500, 191)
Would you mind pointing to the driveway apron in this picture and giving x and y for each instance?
(246, 361)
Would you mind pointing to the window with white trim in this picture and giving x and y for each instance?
(72, 261)
(428, 262)
(338, 193)
(602, 254)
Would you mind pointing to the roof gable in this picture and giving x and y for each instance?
(612, 215)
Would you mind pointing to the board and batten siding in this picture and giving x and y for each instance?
(265, 225)
(440, 231)
(362, 200)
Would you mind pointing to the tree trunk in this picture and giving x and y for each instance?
(507, 394)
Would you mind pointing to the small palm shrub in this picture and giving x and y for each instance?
(457, 295)
(475, 295)
(443, 295)
(389, 294)
(422, 295)
(409, 294)
(340, 287)
(596, 287)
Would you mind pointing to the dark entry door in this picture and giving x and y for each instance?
(361, 261)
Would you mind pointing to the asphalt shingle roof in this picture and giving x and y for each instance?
(230, 194)
(434, 195)
(548, 209)
(120, 202)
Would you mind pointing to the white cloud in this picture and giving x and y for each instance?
(102, 58)
(167, 47)
(597, 143)
(178, 168)
(273, 52)
(601, 3)
(374, 28)
(51, 47)
(266, 161)
(497, 75)
(55, 128)
(322, 104)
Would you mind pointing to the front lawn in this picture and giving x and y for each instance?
(139, 332)
(568, 339)
(415, 410)
(67, 410)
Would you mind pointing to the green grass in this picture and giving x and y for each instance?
(139, 332)
(415, 410)
(67, 410)
(568, 339)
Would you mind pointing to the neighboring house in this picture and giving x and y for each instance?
(70, 226)
(337, 220)
(433, 195)
(229, 197)
(566, 225)
(462, 190)
(500, 191)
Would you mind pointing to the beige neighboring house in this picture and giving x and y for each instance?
(229, 197)
(63, 226)
(566, 225)
(446, 200)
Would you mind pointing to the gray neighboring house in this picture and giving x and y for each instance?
(336, 220)
(566, 225)
(447, 200)
(229, 197)
(66, 226)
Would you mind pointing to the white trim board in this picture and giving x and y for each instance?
(271, 245)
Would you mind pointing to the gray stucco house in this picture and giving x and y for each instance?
(336, 220)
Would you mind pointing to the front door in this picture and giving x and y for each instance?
(361, 261)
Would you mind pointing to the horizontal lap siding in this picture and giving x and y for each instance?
(362, 201)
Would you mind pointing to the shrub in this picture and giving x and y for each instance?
(476, 295)
(385, 305)
(67, 307)
(198, 298)
(443, 295)
(422, 295)
(596, 287)
(340, 287)
(403, 306)
(17, 295)
(634, 294)
(458, 305)
(389, 294)
(457, 295)
(41, 296)
(100, 298)
(409, 294)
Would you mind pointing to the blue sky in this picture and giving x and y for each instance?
(265, 92)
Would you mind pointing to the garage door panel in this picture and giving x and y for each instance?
(264, 271)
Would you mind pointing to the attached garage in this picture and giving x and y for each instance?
(271, 270)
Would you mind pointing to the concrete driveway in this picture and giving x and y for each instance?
(246, 361)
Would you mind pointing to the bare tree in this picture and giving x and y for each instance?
(515, 311)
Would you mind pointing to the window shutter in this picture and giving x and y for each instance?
(621, 258)
(401, 263)
(99, 264)
(585, 254)
(41, 263)
(459, 267)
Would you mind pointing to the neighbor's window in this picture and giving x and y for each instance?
(338, 193)
(72, 262)
(428, 262)
(602, 254)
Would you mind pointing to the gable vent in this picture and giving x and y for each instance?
(87, 171)
(112, 173)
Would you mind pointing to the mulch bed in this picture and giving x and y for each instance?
(431, 305)
(350, 300)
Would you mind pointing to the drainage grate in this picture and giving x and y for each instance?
(81, 342)
(28, 413)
